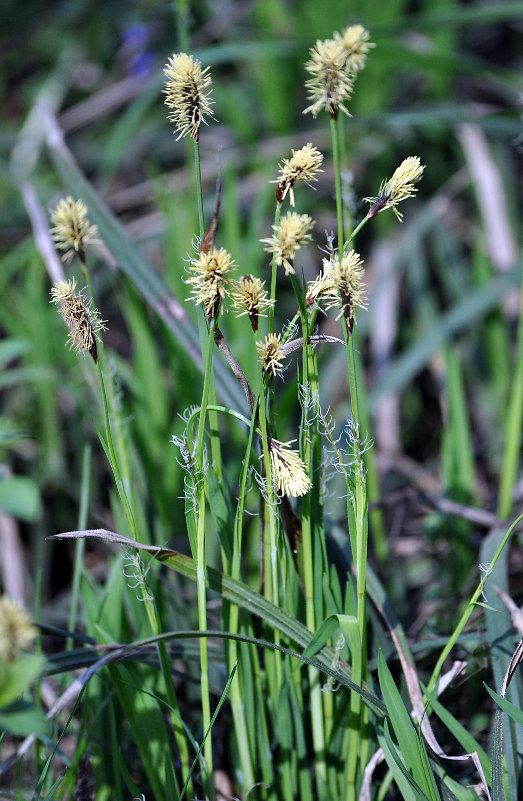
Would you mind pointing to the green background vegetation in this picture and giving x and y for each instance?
(443, 370)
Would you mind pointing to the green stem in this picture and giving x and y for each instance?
(468, 611)
(200, 557)
(199, 194)
(353, 234)
(337, 181)
(310, 514)
(270, 559)
(358, 532)
(237, 705)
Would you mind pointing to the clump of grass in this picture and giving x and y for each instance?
(294, 655)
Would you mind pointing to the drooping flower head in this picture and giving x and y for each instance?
(288, 470)
(16, 630)
(186, 94)
(330, 84)
(355, 42)
(249, 296)
(209, 279)
(72, 230)
(398, 188)
(81, 319)
(303, 165)
(347, 275)
(288, 237)
(271, 353)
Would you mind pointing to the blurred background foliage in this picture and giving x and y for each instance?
(443, 82)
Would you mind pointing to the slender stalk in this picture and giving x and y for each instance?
(213, 417)
(309, 522)
(199, 194)
(200, 557)
(355, 231)
(237, 705)
(358, 525)
(124, 486)
(468, 611)
(337, 180)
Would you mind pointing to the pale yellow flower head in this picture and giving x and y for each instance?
(249, 296)
(209, 279)
(288, 470)
(16, 630)
(271, 354)
(72, 230)
(347, 276)
(81, 319)
(398, 188)
(288, 237)
(355, 42)
(303, 165)
(323, 285)
(330, 84)
(186, 94)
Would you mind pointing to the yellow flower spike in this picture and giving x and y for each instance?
(347, 276)
(209, 279)
(72, 230)
(270, 353)
(330, 85)
(355, 42)
(288, 470)
(81, 319)
(289, 235)
(398, 188)
(249, 296)
(186, 94)
(16, 630)
(303, 165)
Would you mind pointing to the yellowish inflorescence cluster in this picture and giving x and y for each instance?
(347, 277)
(81, 318)
(333, 65)
(187, 94)
(292, 232)
(72, 230)
(16, 630)
(250, 297)
(271, 354)
(398, 188)
(209, 279)
(288, 469)
(303, 165)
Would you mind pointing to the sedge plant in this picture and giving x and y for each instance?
(295, 733)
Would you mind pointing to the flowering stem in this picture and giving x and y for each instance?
(127, 503)
(199, 194)
(468, 611)
(343, 162)
(358, 532)
(237, 705)
(270, 566)
(200, 555)
(213, 417)
(353, 234)
(311, 512)
(337, 181)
